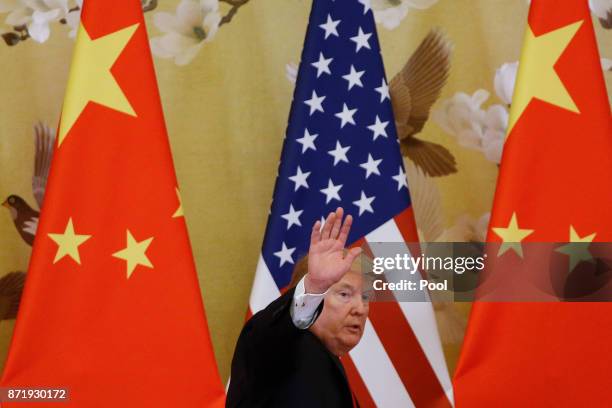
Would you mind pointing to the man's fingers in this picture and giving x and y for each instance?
(315, 236)
(344, 231)
(328, 225)
(351, 255)
(337, 223)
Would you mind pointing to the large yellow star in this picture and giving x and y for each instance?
(90, 77)
(512, 236)
(577, 249)
(68, 243)
(537, 77)
(179, 210)
(134, 253)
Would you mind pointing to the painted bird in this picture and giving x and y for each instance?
(11, 287)
(603, 10)
(413, 91)
(25, 217)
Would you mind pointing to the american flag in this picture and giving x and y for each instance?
(341, 149)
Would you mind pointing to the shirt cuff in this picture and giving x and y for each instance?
(304, 306)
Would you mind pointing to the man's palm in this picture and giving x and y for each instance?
(327, 261)
(328, 256)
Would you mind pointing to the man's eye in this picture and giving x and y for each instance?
(344, 294)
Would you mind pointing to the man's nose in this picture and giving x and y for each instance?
(360, 307)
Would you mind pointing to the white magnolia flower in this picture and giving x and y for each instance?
(601, 8)
(195, 23)
(73, 19)
(38, 14)
(390, 13)
(35, 14)
(291, 70)
(505, 78)
(462, 117)
(494, 132)
(17, 12)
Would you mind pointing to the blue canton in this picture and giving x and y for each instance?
(341, 146)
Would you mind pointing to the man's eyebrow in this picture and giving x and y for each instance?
(345, 285)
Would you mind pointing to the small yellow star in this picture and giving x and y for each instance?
(91, 79)
(578, 248)
(512, 236)
(68, 243)
(537, 77)
(179, 210)
(134, 253)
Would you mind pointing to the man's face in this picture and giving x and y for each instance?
(340, 325)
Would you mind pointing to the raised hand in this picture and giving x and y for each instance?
(327, 262)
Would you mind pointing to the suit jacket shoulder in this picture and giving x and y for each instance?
(276, 364)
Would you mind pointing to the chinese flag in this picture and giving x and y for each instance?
(111, 308)
(554, 186)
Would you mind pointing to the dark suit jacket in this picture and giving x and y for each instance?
(276, 364)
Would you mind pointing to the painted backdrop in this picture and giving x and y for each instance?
(226, 71)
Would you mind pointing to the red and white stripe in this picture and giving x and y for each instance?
(399, 361)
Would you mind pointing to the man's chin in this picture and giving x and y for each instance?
(351, 339)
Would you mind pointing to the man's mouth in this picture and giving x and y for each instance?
(354, 328)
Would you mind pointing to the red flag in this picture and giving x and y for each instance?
(557, 154)
(112, 309)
